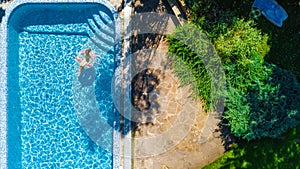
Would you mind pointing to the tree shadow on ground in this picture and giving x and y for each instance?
(147, 33)
(144, 95)
(141, 86)
(159, 6)
(228, 139)
(147, 26)
(145, 105)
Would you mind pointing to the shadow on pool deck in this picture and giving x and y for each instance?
(189, 153)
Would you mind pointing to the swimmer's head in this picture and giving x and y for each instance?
(87, 51)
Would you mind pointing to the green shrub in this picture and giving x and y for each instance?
(246, 75)
(240, 42)
(210, 16)
(259, 101)
(262, 99)
(237, 112)
(193, 49)
(265, 103)
(275, 105)
(188, 66)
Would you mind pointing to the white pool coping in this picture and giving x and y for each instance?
(127, 149)
(3, 71)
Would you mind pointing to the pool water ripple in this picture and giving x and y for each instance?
(51, 134)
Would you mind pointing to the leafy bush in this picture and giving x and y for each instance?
(188, 66)
(210, 16)
(203, 70)
(275, 105)
(258, 93)
(237, 112)
(248, 74)
(265, 103)
(262, 99)
(240, 42)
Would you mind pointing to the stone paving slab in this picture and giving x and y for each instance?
(190, 152)
(201, 144)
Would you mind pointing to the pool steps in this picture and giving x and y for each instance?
(97, 19)
(99, 34)
(101, 30)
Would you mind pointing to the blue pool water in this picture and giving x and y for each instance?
(44, 130)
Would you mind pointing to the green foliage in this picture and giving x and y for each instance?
(265, 153)
(194, 49)
(237, 111)
(259, 103)
(248, 74)
(187, 64)
(256, 104)
(241, 41)
(275, 104)
(184, 74)
(210, 16)
(264, 101)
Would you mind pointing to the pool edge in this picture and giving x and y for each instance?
(3, 70)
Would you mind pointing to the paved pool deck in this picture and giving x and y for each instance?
(198, 141)
(199, 144)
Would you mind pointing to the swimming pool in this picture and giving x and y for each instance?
(54, 117)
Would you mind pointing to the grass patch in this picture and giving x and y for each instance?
(266, 153)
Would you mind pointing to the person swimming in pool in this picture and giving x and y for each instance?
(88, 60)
